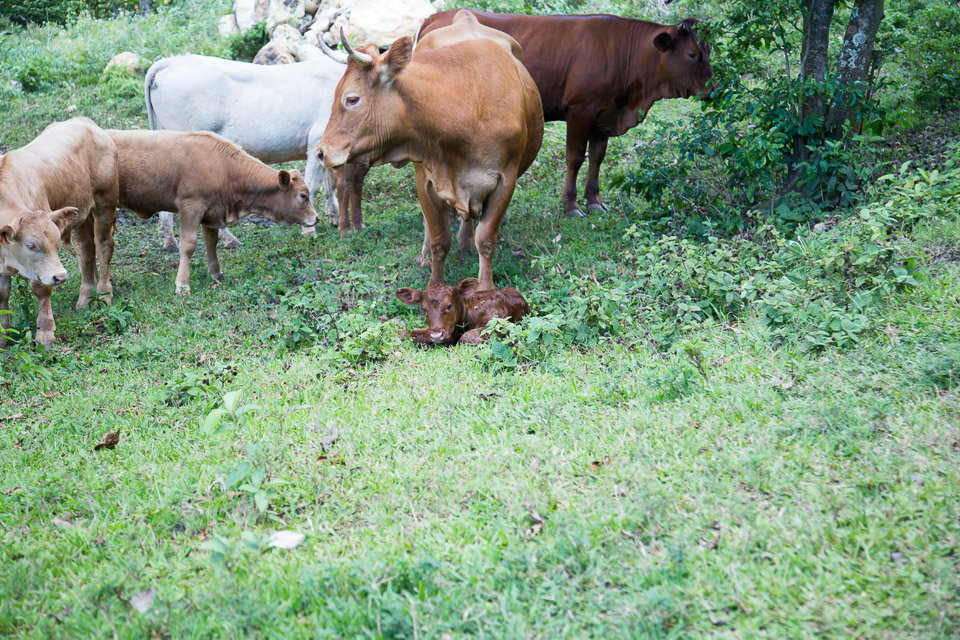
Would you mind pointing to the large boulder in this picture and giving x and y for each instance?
(126, 60)
(228, 25)
(284, 12)
(250, 13)
(366, 21)
(271, 53)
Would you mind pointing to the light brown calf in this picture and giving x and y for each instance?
(64, 181)
(458, 314)
(211, 182)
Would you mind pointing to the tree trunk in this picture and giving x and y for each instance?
(146, 7)
(853, 67)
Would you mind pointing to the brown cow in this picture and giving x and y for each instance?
(467, 115)
(459, 314)
(601, 74)
(64, 181)
(210, 181)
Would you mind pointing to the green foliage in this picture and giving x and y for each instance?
(927, 39)
(246, 44)
(63, 11)
(188, 386)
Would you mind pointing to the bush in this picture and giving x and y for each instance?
(63, 11)
(246, 44)
(931, 53)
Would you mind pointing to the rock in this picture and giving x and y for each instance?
(272, 54)
(228, 25)
(286, 540)
(284, 12)
(250, 13)
(126, 60)
(289, 41)
(310, 6)
(366, 21)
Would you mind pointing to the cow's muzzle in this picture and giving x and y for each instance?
(439, 336)
(330, 159)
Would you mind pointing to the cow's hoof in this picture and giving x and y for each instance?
(183, 289)
(45, 338)
(216, 278)
(171, 247)
(425, 261)
(597, 207)
(232, 243)
(574, 213)
(308, 231)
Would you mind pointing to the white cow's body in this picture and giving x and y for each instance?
(275, 113)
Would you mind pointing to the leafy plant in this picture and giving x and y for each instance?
(228, 417)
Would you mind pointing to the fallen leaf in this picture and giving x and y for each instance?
(99, 539)
(330, 438)
(286, 540)
(596, 464)
(9, 491)
(518, 253)
(489, 396)
(15, 416)
(715, 542)
(108, 441)
(143, 601)
(61, 523)
(719, 362)
(202, 536)
(52, 394)
(537, 520)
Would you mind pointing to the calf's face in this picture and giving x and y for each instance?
(444, 307)
(31, 242)
(366, 120)
(288, 202)
(684, 64)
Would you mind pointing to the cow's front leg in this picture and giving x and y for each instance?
(213, 264)
(437, 224)
(472, 337)
(165, 229)
(598, 150)
(578, 133)
(83, 240)
(189, 231)
(5, 284)
(360, 172)
(314, 175)
(230, 241)
(489, 228)
(45, 324)
(104, 223)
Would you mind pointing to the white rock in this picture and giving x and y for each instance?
(286, 540)
(379, 22)
(310, 6)
(228, 25)
(272, 54)
(143, 601)
(127, 60)
(250, 13)
(284, 12)
(289, 41)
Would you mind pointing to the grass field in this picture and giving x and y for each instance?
(732, 485)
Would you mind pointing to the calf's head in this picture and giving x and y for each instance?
(30, 242)
(286, 202)
(444, 306)
(683, 68)
(366, 123)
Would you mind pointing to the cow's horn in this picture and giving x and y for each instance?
(363, 58)
(336, 56)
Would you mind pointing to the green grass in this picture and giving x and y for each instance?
(607, 489)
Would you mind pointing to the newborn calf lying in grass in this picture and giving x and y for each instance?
(460, 313)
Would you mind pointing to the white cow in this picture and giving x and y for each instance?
(275, 113)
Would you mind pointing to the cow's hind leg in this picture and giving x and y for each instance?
(190, 216)
(465, 239)
(5, 284)
(165, 229)
(230, 241)
(213, 264)
(472, 337)
(84, 240)
(104, 223)
(598, 150)
(578, 133)
(489, 228)
(45, 324)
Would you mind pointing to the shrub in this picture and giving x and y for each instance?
(246, 44)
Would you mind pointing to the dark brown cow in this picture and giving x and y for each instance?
(467, 115)
(460, 313)
(601, 74)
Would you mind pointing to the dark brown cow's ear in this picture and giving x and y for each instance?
(285, 179)
(7, 234)
(664, 42)
(467, 286)
(63, 217)
(396, 59)
(409, 296)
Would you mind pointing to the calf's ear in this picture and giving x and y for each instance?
(7, 234)
(409, 296)
(664, 42)
(63, 217)
(396, 59)
(285, 179)
(467, 286)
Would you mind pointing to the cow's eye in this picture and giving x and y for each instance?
(304, 195)
(449, 307)
(692, 56)
(33, 247)
(352, 101)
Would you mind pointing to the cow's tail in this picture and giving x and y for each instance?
(147, 85)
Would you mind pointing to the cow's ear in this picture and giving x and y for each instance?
(467, 286)
(63, 217)
(285, 179)
(664, 42)
(409, 296)
(7, 234)
(396, 59)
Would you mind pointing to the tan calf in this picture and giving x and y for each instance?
(64, 181)
(211, 182)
